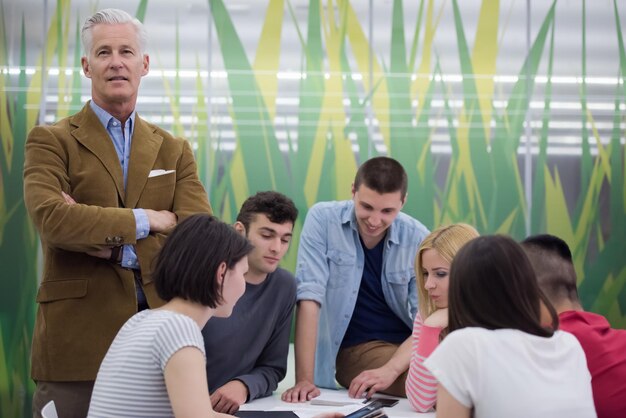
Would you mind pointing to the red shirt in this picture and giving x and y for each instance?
(605, 349)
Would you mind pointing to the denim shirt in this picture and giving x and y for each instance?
(330, 267)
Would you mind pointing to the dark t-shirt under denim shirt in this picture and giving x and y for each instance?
(372, 318)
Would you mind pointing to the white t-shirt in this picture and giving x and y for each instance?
(509, 373)
(130, 381)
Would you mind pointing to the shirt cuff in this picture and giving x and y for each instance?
(129, 257)
(310, 291)
(142, 223)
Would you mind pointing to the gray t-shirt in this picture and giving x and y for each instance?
(253, 343)
(130, 380)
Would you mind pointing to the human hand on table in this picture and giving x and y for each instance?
(230, 397)
(371, 381)
(302, 391)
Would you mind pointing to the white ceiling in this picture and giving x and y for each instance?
(248, 15)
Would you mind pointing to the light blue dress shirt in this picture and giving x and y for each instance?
(121, 141)
(330, 267)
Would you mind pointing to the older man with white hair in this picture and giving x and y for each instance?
(103, 188)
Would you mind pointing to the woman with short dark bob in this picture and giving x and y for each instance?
(499, 360)
(155, 367)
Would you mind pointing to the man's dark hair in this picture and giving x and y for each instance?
(276, 206)
(187, 264)
(493, 286)
(551, 259)
(383, 175)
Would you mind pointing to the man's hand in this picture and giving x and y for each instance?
(369, 382)
(103, 253)
(438, 319)
(229, 397)
(161, 220)
(68, 199)
(303, 391)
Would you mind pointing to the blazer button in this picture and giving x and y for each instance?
(109, 240)
(118, 240)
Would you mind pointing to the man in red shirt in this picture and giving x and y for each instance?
(604, 347)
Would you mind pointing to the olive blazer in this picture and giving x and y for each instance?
(84, 300)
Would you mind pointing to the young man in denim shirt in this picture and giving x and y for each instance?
(356, 288)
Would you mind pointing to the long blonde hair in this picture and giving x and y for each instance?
(447, 241)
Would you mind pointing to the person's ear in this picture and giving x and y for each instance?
(146, 64)
(353, 190)
(221, 273)
(84, 62)
(239, 227)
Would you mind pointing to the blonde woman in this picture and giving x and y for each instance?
(432, 269)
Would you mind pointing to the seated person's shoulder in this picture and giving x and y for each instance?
(566, 338)
(284, 277)
(476, 335)
(278, 294)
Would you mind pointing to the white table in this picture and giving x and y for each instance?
(306, 410)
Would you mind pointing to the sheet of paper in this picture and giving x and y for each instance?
(308, 411)
(339, 396)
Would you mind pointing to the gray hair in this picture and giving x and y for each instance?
(111, 17)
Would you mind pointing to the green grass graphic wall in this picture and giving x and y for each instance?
(344, 84)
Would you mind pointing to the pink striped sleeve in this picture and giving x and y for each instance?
(421, 385)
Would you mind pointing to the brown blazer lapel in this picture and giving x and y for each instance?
(143, 153)
(90, 132)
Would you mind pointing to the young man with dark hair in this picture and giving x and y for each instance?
(247, 352)
(604, 347)
(356, 288)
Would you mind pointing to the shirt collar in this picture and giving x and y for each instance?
(348, 216)
(105, 117)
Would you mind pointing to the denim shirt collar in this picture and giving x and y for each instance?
(349, 217)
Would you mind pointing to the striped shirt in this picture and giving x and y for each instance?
(130, 381)
(421, 385)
